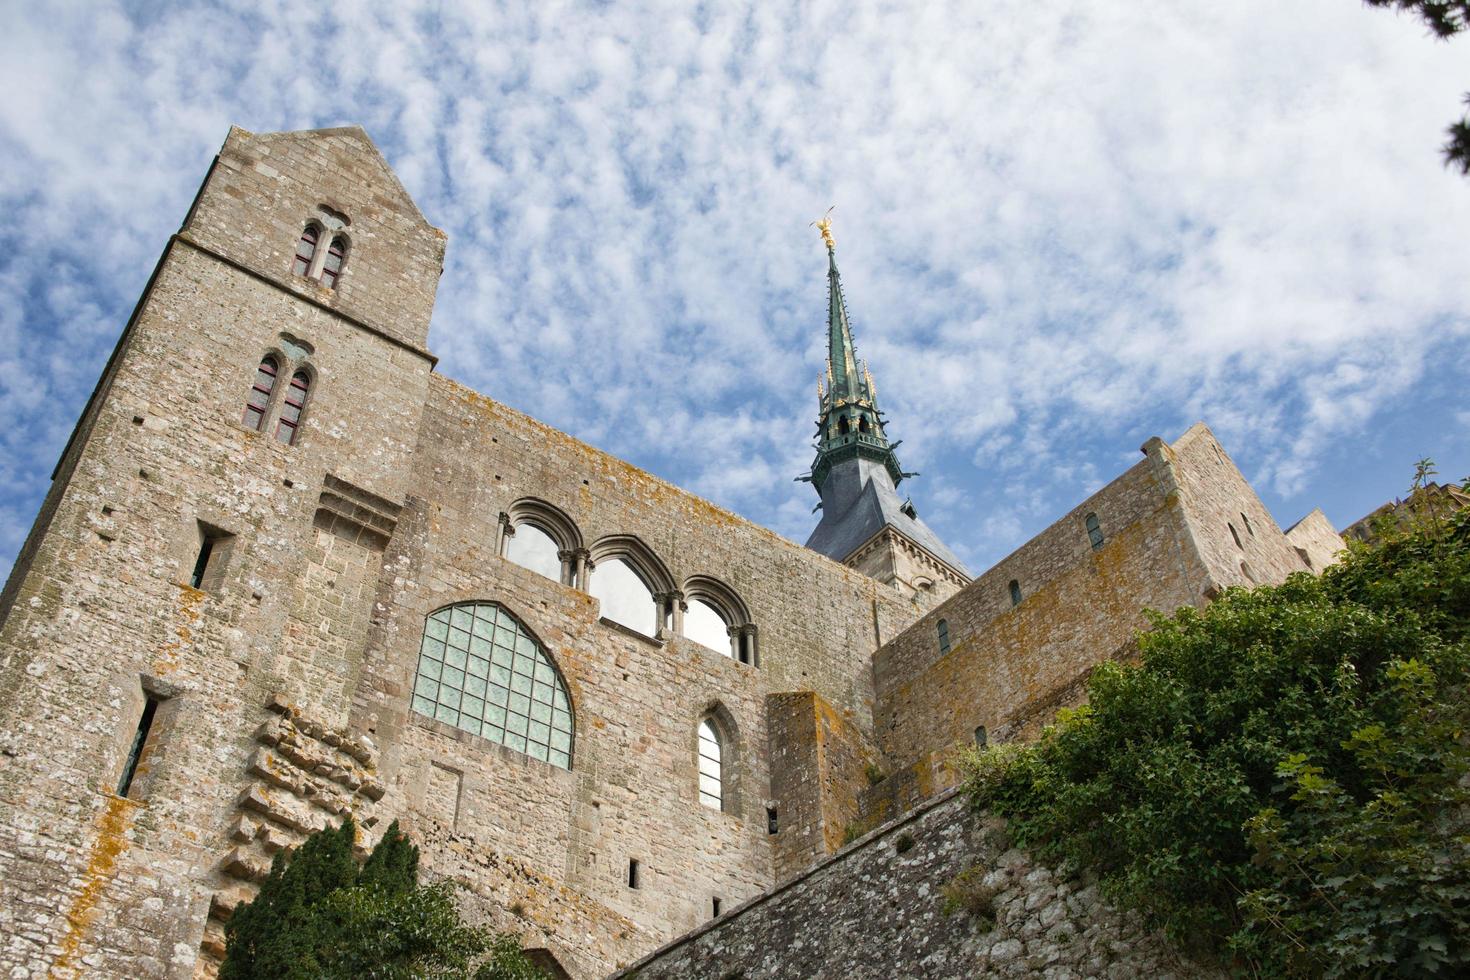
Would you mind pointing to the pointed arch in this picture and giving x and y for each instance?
(638, 556)
(717, 752)
(728, 605)
(306, 248)
(335, 261)
(482, 670)
(548, 518)
(293, 407)
(258, 401)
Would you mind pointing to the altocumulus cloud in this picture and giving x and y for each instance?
(1063, 227)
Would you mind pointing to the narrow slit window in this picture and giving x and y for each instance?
(1094, 531)
(1236, 535)
(632, 872)
(1015, 592)
(772, 826)
(209, 562)
(138, 750)
(336, 258)
(1249, 530)
(259, 400)
(982, 737)
(306, 250)
(711, 783)
(292, 406)
(943, 629)
(715, 906)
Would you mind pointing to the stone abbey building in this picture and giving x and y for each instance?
(288, 571)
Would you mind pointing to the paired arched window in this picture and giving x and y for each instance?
(306, 250)
(480, 670)
(1094, 531)
(711, 763)
(258, 402)
(716, 617)
(311, 262)
(292, 406)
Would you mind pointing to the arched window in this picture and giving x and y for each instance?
(863, 424)
(292, 406)
(306, 250)
(843, 426)
(943, 628)
(704, 625)
(530, 547)
(1094, 531)
(336, 258)
(1015, 592)
(624, 596)
(711, 780)
(259, 400)
(481, 671)
(716, 617)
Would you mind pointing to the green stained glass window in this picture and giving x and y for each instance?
(451, 683)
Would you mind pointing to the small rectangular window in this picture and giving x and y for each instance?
(715, 906)
(140, 749)
(632, 872)
(209, 562)
(770, 820)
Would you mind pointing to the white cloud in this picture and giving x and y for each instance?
(1062, 229)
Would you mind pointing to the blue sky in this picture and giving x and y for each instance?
(1063, 227)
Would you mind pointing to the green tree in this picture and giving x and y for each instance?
(1445, 19)
(319, 916)
(1280, 780)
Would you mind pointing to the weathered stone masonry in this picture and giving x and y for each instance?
(275, 691)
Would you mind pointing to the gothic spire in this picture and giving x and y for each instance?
(850, 425)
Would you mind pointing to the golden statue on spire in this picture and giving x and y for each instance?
(825, 227)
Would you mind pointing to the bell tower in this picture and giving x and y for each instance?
(865, 524)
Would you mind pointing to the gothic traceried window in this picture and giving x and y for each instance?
(306, 250)
(291, 408)
(711, 780)
(481, 671)
(259, 400)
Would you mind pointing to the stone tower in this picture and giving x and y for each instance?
(865, 524)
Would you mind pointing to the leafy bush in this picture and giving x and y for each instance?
(319, 916)
(1281, 781)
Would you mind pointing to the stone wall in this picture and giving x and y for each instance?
(334, 550)
(938, 894)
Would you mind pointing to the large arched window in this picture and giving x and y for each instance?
(306, 250)
(481, 670)
(291, 408)
(624, 596)
(259, 400)
(530, 547)
(717, 618)
(704, 625)
(711, 775)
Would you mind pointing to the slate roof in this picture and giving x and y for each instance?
(858, 500)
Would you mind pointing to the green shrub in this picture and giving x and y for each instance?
(1280, 780)
(319, 916)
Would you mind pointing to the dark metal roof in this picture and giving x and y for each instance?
(859, 500)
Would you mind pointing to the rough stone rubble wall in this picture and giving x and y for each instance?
(342, 545)
(878, 910)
